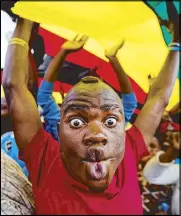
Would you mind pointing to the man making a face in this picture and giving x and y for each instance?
(94, 170)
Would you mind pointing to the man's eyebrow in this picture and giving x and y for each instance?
(86, 108)
(107, 107)
(72, 107)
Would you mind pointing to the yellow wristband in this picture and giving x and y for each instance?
(15, 42)
(19, 42)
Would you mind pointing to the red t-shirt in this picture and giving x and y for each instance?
(56, 192)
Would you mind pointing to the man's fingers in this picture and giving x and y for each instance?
(75, 38)
(85, 38)
(80, 37)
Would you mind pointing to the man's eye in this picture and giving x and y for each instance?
(76, 123)
(110, 122)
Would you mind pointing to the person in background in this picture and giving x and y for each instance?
(167, 123)
(163, 169)
(94, 170)
(16, 190)
(166, 129)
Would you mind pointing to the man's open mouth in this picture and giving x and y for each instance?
(97, 170)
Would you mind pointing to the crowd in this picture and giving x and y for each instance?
(78, 158)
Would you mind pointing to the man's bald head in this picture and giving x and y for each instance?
(91, 86)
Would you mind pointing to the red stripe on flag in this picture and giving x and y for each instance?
(85, 59)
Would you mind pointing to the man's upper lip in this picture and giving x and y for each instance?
(103, 159)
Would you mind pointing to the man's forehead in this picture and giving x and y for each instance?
(95, 98)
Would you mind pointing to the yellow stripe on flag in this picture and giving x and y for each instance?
(107, 23)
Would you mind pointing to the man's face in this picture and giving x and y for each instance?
(92, 134)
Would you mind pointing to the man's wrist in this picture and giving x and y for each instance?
(176, 38)
(23, 29)
(25, 22)
(64, 52)
(112, 58)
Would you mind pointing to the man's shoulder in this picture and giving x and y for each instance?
(41, 142)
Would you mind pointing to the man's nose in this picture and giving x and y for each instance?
(93, 138)
(95, 135)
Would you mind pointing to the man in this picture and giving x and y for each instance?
(94, 170)
(163, 169)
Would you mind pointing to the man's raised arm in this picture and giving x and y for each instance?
(51, 110)
(160, 92)
(22, 106)
(127, 94)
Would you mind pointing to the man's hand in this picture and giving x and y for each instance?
(74, 45)
(68, 47)
(173, 21)
(112, 52)
(123, 79)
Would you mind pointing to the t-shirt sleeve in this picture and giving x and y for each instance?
(39, 155)
(129, 104)
(136, 140)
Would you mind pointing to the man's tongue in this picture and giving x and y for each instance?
(97, 170)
